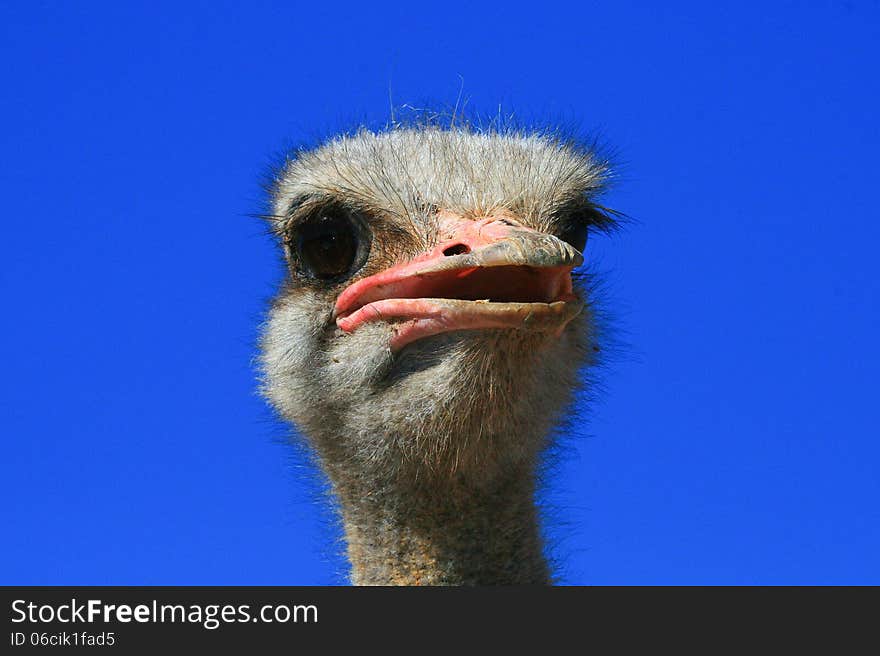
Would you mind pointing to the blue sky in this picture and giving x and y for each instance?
(735, 440)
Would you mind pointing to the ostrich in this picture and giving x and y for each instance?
(429, 336)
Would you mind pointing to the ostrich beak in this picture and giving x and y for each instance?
(488, 274)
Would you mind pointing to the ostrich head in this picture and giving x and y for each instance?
(429, 334)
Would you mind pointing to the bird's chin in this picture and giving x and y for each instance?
(414, 319)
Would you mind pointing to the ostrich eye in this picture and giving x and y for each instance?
(328, 245)
(576, 235)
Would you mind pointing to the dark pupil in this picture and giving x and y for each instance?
(327, 246)
(576, 235)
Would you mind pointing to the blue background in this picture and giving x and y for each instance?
(736, 438)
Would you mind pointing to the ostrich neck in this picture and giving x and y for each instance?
(454, 533)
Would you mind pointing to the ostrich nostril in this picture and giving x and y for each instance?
(456, 249)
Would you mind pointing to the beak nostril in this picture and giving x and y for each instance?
(456, 249)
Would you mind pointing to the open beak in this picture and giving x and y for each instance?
(490, 273)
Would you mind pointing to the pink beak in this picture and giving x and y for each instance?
(489, 273)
